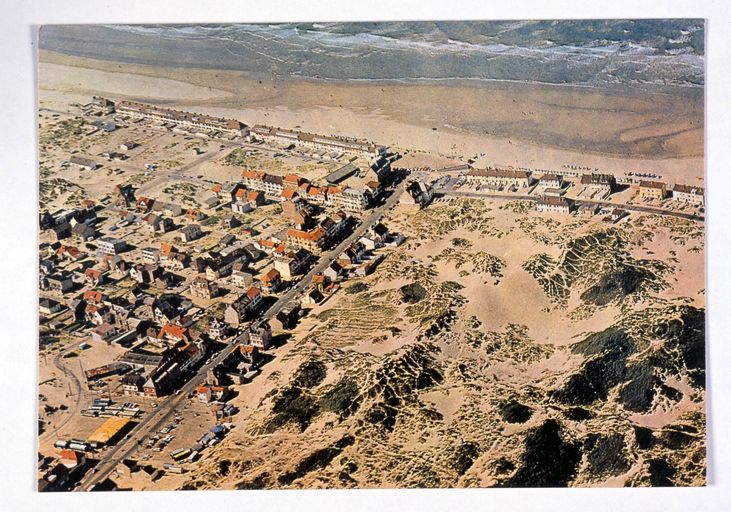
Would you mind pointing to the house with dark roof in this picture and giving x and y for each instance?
(190, 232)
(652, 189)
(260, 335)
(83, 232)
(59, 282)
(243, 307)
(550, 180)
(83, 163)
(553, 204)
(688, 194)
(48, 306)
(499, 178)
(417, 193)
(203, 288)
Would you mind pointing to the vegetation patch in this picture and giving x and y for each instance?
(412, 293)
(602, 253)
(342, 398)
(549, 459)
(318, 459)
(606, 455)
(514, 412)
(310, 374)
(443, 218)
(293, 406)
(465, 456)
(358, 287)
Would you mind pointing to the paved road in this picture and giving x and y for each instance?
(154, 420)
(328, 257)
(607, 204)
(126, 448)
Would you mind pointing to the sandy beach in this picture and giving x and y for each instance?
(497, 123)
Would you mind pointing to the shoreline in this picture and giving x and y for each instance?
(566, 126)
(619, 89)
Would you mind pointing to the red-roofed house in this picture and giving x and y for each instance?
(144, 204)
(253, 179)
(71, 253)
(267, 246)
(194, 215)
(93, 296)
(320, 281)
(317, 195)
(173, 332)
(292, 181)
(271, 280)
(166, 250)
(313, 240)
(93, 277)
(255, 198)
(289, 194)
(207, 393)
(97, 314)
(71, 458)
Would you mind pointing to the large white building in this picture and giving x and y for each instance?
(499, 178)
(111, 246)
(688, 194)
(282, 136)
(179, 117)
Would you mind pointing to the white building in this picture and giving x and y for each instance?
(552, 204)
(688, 194)
(111, 246)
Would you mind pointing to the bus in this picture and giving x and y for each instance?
(172, 469)
(179, 454)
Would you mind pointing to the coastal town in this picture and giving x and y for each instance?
(178, 251)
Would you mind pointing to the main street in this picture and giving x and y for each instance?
(129, 445)
(327, 258)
